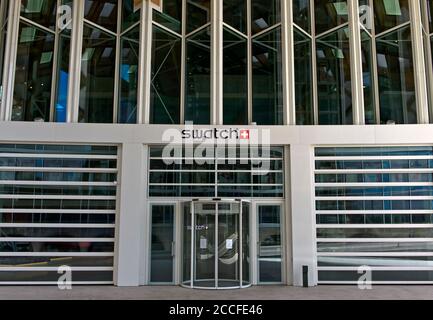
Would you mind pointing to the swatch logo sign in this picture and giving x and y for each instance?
(215, 134)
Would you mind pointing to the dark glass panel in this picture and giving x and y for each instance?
(198, 77)
(303, 80)
(33, 76)
(390, 13)
(130, 12)
(166, 78)
(267, 79)
(4, 9)
(334, 78)
(42, 12)
(130, 49)
(171, 15)
(235, 79)
(98, 64)
(198, 14)
(53, 276)
(102, 12)
(396, 78)
(235, 14)
(265, 14)
(302, 14)
(367, 69)
(60, 110)
(56, 261)
(330, 14)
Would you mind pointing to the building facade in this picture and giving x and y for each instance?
(216, 143)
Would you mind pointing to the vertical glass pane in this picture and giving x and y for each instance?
(130, 13)
(102, 12)
(235, 14)
(98, 64)
(166, 78)
(42, 12)
(171, 15)
(162, 267)
(270, 248)
(64, 50)
(367, 69)
(235, 79)
(330, 14)
(245, 243)
(267, 79)
(430, 14)
(198, 72)
(130, 48)
(301, 14)
(396, 78)
(33, 76)
(4, 7)
(334, 78)
(186, 248)
(390, 13)
(265, 14)
(303, 80)
(198, 14)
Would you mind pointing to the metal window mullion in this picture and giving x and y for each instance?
(116, 98)
(288, 64)
(75, 61)
(217, 47)
(428, 56)
(55, 64)
(249, 62)
(145, 64)
(183, 68)
(419, 63)
(10, 60)
(356, 64)
(314, 64)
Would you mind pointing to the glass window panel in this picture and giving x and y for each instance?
(166, 78)
(367, 69)
(265, 14)
(171, 15)
(4, 9)
(302, 14)
(235, 14)
(267, 79)
(334, 78)
(235, 79)
(198, 77)
(60, 110)
(130, 12)
(42, 12)
(102, 12)
(303, 80)
(396, 78)
(130, 49)
(33, 76)
(390, 13)
(98, 64)
(330, 14)
(198, 14)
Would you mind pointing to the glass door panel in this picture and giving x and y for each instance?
(162, 244)
(228, 245)
(269, 246)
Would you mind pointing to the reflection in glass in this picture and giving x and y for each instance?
(166, 78)
(270, 245)
(267, 79)
(97, 76)
(130, 13)
(42, 12)
(390, 13)
(235, 79)
(33, 76)
(162, 267)
(334, 78)
(303, 80)
(130, 49)
(368, 84)
(198, 72)
(330, 14)
(171, 15)
(102, 12)
(265, 14)
(64, 50)
(301, 14)
(198, 14)
(396, 78)
(235, 14)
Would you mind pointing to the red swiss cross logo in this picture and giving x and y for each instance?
(245, 134)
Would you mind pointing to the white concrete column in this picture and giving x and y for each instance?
(131, 226)
(303, 217)
(356, 64)
(420, 71)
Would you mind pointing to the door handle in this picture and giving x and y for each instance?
(173, 249)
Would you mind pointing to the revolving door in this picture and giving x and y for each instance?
(216, 244)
